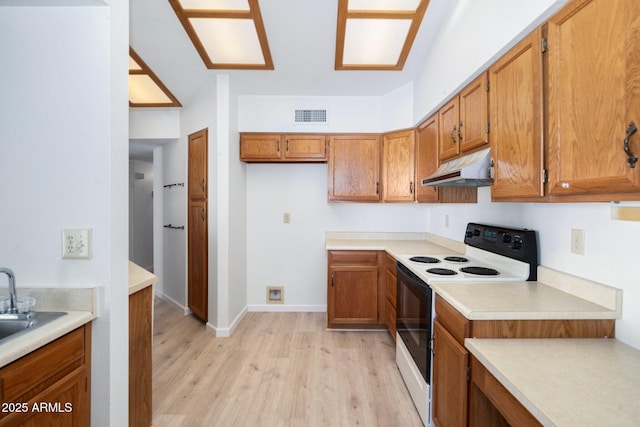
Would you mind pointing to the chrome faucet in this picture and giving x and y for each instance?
(12, 289)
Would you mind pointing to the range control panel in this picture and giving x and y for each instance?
(516, 243)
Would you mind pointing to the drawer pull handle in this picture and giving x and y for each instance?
(631, 159)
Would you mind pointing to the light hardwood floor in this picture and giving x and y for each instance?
(277, 369)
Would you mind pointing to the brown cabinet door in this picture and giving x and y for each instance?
(398, 167)
(260, 147)
(198, 259)
(197, 251)
(450, 363)
(474, 115)
(140, 357)
(594, 95)
(198, 164)
(517, 121)
(354, 168)
(427, 158)
(353, 295)
(304, 147)
(449, 117)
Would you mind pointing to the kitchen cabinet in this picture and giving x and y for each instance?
(491, 404)
(197, 251)
(516, 117)
(354, 168)
(353, 289)
(398, 166)
(593, 85)
(391, 290)
(276, 147)
(140, 357)
(57, 375)
(451, 368)
(426, 165)
(463, 121)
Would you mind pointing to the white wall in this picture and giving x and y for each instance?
(63, 144)
(293, 255)
(141, 213)
(611, 248)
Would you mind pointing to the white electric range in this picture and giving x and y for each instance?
(493, 253)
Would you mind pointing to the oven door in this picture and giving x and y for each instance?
(413, 318)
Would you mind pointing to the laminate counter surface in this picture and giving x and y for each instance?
(567, 382)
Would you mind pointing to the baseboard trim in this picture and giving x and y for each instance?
(227, 332)
(173, 303)
(287, 308)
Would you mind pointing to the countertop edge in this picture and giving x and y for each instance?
(18, 347)
(139, 278)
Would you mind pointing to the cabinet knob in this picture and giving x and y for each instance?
(278, 145)
(411, 187)
(460, 131)
(453, 134)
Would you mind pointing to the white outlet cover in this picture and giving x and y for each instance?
(76, 243)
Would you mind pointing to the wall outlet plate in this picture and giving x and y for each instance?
(76, 243)
(577, 241)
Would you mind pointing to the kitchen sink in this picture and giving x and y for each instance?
(15, 325)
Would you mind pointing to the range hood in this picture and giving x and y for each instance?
(471, 170)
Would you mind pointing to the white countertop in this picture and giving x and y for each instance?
(396, 244)
(517, 301)
(78, 303)
(567, 382)
(139, 278)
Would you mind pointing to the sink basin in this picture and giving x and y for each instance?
(13, 326)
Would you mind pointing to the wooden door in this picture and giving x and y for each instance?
(450, 363)
(517, 121)
(354, 168)
(427, 158)
(198, 258)
(353, 295)
(398, 167)
(260, 147)
(474, 115)
(449, 117)
(594, 96)
(305, 147)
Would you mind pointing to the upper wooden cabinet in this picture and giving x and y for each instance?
(426, 165)
(463, 121)
(398, 166)
(517, 121)
(275, 147)
(426, 158)
(593, 86)
(354, 168)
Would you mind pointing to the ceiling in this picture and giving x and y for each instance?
(302, 39)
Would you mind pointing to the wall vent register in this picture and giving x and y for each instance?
(310, 116)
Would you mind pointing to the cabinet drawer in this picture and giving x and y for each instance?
(36, 371)
(452, 320)
(353, 257)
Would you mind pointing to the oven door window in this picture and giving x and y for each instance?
(413, 318)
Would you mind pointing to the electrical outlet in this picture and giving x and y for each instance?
(76, 243)
(286, 218)
(577, 241)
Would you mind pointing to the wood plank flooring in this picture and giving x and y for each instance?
(277, 369)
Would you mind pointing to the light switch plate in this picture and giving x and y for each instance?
(76, 243)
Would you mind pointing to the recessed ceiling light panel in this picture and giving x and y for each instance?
(375, 41)
(228, 34)
(229, 41)
(384, 4)
(145, 88)
(376, 34)
(215, 4)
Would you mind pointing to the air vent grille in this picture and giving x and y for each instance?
(310, 116)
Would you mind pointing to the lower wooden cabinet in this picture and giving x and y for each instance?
(140, 357)
(452, 371)
(491, 404)
(356, 297)
(390, 280)
(51, 385)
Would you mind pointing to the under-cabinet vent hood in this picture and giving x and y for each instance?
(471, 170)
